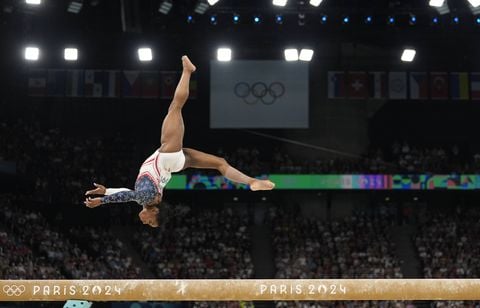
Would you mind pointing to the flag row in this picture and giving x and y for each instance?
(404, 85)
(102, 83)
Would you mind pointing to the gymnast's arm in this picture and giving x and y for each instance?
(111, 195)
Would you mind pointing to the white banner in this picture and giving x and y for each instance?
(258, 94)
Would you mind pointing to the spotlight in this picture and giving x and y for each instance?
(70, 54)
(279, 2)
(212, 2)
(256, 19)
(440, 5)
(324, 19)
(477, 20)
(456, 20)
(75, 6)
(368, 20)
(236, 18)
(33, 2)
(435, 20)
(224, 54)
(315, 2)
(408, 55)
(213, 20)
(291, 54)
(201, 7)
(145, 54)
(306, 55)
(391, 20)
(474, 3)
(413, 20)
(279, 19)
(190, 19)
(165, 7)
(346, 20)
(32, 53)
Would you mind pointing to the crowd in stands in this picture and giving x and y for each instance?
(209, 244)
(447, 244)
(32, 248)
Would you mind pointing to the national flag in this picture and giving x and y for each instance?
(37, 82)
(475, 86)
(95, 82)
(131, 84)
(418, 85)
(56, 82)
(357, 87)
(150, 87)
(336, 85)
(439, 85)
(168, 84)
(377, 82)
(113, 84)
(459, 86)
(397, 85)
(75, 83)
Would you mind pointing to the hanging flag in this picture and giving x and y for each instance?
(113, 84)
(439, 85)
(357, 87)
(475, 86)
(397, 85)
(418, 85)
(75, 83)
(131, 84)
(336, 85)
(150, 87)
(168, 84)
(377, 82)
(459, 86)
(95, 82)
(37, 83)
(56, 82)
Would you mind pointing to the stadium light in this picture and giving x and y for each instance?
(291, 54)
(279, 2)
(436, 3)
(279, 19)
(201, 7)
(165, 7)
(408, 55)
(440, 5)
(474, 3)
(75, 6)
(306, 55)
(212, 2)
(70, 54)
(145, 54)
(236, 18)
(315, 2)
(33, 2)
(224, 54)
(32, 53)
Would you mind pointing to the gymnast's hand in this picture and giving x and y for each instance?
(93, 202)
(99, 190)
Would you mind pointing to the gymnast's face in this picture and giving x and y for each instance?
(148, 216)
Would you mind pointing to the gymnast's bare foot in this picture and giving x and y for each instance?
(188, 65)
(262, 185)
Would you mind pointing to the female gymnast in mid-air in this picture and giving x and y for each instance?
(156, 171)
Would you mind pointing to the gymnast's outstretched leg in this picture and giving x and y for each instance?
(173, 128)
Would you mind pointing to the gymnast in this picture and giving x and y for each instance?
(156, 170)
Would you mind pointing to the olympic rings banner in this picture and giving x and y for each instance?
(336, 181)
(258, 94)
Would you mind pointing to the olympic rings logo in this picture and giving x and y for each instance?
(259, 91)
(13, 290)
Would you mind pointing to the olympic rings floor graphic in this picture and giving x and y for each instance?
(240, 290)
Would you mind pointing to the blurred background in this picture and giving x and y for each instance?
(365, 114)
